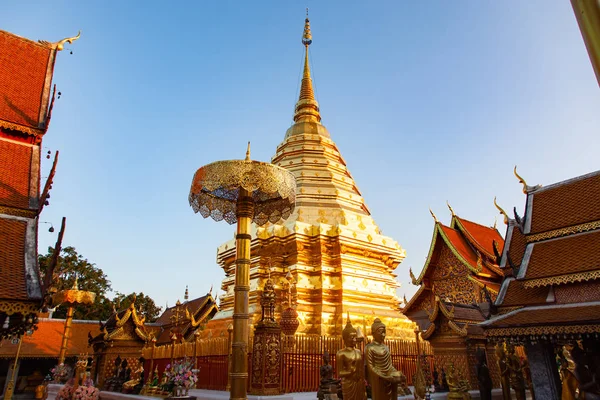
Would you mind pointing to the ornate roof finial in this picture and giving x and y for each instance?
(450, 208)
(495, 222)
(433, 215)
(60, 45)
(412, 277)
(526, 187)
(248, 152)
(501, 211)
(307, 108)
(186, 296)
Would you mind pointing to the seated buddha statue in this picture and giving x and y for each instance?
(381, 374)
(459, 387)
(350, 366)
(328, 384)
(135, 379)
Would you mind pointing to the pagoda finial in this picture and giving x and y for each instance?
(501, 211)
(450, 208)
(248, 152)
(307, 108)
(186, 296)
(433, 215)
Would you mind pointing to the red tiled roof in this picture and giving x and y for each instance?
(567, 203)
(548, 315)
(23, 69)
(12, 259)
(518, 243)
(567, 255)
(47, 339)
(481, 236)
(15, 166)
(517, 295)
(460, 244)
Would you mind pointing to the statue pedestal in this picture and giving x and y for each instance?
(266, 360)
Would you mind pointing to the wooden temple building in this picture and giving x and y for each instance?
(550, 299)
(334, 255)
(461, 276)
(26, 102)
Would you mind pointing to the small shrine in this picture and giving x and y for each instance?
(460, 279)
(550, 299)
(185, 319)
(122, 338)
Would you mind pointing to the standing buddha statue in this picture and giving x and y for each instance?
(381, 374)
(504, 371)
(350, 366)
(517, 381)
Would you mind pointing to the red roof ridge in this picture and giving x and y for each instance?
(566, 182)
(25, 39)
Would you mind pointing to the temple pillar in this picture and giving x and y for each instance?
(544, 373)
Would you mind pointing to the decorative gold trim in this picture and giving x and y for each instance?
(461, 331)
(21, 128)
(502, 212)
(557, 280)
(543, 330)
(60, 45)
(427, 334)
(521, 180)
(13, 307)
(17, 212)
(588, 226)
(481, 284)
(433, 215)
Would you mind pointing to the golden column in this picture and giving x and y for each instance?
(242, 191)
(71, 298)
(587, 13)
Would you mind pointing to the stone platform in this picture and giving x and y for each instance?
(202, 394)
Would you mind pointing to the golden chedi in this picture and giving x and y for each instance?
(340, 260)
(381, 374)
(350, 367)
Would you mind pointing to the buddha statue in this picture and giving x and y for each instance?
(504, 371)
(381, 374)
(350, 367)
(517, 381)
(567, 375)
(459, 387)
(328, 384)
(137, 377)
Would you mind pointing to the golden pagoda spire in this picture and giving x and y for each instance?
(307, 108)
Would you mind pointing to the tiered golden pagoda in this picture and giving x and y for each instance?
(338, 257)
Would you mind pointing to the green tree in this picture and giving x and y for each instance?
(71, 265)
(144, 304)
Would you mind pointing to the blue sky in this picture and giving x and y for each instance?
(427, 101)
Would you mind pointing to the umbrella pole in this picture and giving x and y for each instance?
(239, 347)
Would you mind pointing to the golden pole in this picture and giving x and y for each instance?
(173, 340)
(239, 347)
(10, 388)
(66, 334)
(587, 13)
(151, 361)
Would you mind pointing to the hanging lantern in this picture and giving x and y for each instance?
(289, 321)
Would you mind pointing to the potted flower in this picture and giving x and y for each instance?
(182, 376)
(61, 373)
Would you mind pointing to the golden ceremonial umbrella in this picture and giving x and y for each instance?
(242, 191)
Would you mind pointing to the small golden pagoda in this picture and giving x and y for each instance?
(338, 258)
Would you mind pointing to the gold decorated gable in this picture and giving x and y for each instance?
(215, 189)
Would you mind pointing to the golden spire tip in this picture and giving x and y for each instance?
(433, 215)
(248, 152)
(450, 208)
